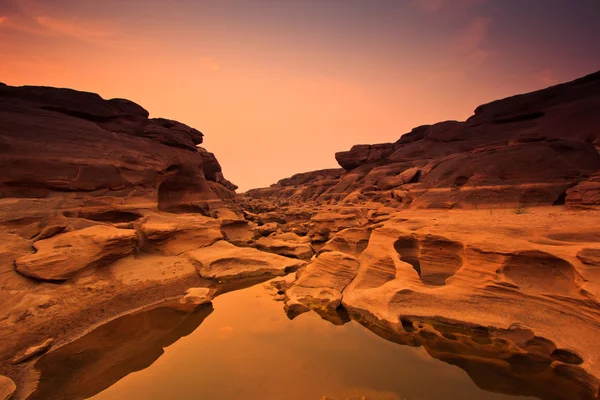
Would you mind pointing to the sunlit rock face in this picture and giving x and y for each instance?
(69, 150)
(534, 149)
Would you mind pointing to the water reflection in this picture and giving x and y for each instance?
(101, 358)
(249, 349)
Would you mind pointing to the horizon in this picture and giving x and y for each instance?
(296, 82)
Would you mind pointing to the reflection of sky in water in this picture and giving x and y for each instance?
(248, 349)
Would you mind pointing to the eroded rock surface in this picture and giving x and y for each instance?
(63, 255)
(225, 261)
(69, 150)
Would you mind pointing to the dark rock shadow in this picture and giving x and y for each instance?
(513, 362)
(104, 356)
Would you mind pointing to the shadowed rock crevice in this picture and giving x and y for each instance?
(409, 250)
(114, 217)
(434, 258)
(539, 272)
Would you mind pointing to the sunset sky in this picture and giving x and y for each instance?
(278, 86)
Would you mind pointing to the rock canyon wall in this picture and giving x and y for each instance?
(476, 240)
(533, 149)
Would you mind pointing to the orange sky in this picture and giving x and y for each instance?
(278, 86)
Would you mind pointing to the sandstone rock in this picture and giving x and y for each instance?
(153, 270)
(225, 261)
(267, 229)
(239, 232)
(585, 194)
(410, 175)
(287, 244)
(61, 256)
(445, 131)
(415, 135)
(7, 388)
(196, 297)
(33, 351)
(64, 149)
(352, 241)
(363, 154)
(321, 283)
(590, 257)
(174, 234)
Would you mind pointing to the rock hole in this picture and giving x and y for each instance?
(461, 181)
(407, 325)
(416, 178)
(114, 217)
(539, 272)
(440, 259)
(561, 200)
(566, 357)
(408, 249)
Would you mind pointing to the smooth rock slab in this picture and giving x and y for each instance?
(225, 261)
(60, 257)
(7, 388)
(321, 284)
(288, 245)
(174, 234)
(196, 297)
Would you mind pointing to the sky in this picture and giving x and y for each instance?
(278, 86)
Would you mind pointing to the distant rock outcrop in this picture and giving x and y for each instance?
(525, 150)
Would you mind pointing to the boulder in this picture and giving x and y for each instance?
(224, 261)
(196, 297)
(321, 283)
(173, 234)
(287, 244)
(62, 256)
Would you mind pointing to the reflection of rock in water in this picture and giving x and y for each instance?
(513, 362)
(131, 343)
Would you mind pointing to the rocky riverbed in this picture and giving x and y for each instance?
(476, 240)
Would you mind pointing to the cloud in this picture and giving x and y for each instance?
(36, 18)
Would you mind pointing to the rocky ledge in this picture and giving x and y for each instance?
(534, 149)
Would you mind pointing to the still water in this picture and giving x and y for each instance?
(245, 347)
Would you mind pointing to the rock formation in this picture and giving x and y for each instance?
(70, 151)
(476, 240)
(533, 149)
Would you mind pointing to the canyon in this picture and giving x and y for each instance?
(477, 241)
